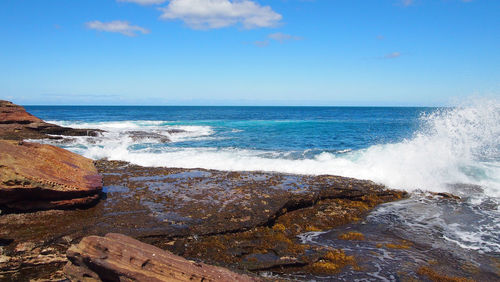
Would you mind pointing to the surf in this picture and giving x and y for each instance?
(452, 146)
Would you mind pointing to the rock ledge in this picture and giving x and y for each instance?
(36, 177)
(117, 257)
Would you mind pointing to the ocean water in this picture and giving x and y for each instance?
(420, 150)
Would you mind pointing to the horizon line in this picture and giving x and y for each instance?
(181, 105)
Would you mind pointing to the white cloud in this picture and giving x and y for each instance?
(282, 37)
(122, 27)
(392, 55)
(144, 2)
(206, 14)
(262, 43)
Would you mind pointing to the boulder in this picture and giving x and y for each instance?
(17, 124)
(35, 176)
(117, 257)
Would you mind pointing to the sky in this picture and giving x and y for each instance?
(249, 52)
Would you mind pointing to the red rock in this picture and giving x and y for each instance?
(11, 113)
(36, 176)
(117, 257)
(17, 124)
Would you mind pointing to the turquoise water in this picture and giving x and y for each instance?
(405, 148)
(262, 128)
(453, 150)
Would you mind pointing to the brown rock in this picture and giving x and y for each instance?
(11, 113)
(17, 124)
(117, 257)
(36, 176)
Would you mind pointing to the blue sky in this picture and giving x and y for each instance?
(222, 52)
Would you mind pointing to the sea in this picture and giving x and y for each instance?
(421, 150)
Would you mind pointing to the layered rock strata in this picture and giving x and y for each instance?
(17, 124)
(117, 257)
(36, 177)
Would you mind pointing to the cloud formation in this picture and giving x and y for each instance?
(144, 2)
(122, 27)
(282, 37)
(262, 43)
(278, 36)
(207, 14)
(393, 55)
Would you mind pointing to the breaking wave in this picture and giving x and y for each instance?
(453, 145)
(454, 150)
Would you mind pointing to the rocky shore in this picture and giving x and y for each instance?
(17, 124)
(253, 223)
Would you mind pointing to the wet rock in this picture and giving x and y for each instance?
(35, 177)
(17, 124)
(244, 220)
(116, 257)
(432, 275)
(445, 195)
(143, 135)
(277, 247)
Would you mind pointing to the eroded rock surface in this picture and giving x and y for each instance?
(35, 177)
(244, 220)
(17, 124)
(116, 257)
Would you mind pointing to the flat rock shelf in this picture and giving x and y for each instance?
(248, 221)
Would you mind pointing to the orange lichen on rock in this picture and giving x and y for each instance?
(332, 262)
(352, 235)
(402, 245)
(437, 277)
(279, 227)
(312, 228)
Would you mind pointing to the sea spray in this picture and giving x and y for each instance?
(451, 150)
(451, 146)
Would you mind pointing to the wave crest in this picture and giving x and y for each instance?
(453, 145)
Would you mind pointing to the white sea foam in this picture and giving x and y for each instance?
(456, 145)
(426, 220)
(453, 146)
(120, 131)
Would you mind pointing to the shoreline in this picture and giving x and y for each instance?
(252, 211)
(258, 223)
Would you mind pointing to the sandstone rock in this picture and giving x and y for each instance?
(11, 113)
(35, 176)
(117, 257)
(17, 124)
(24, 247)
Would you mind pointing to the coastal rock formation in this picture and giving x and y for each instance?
(35, 177)
(17, 124)
(117, 257)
